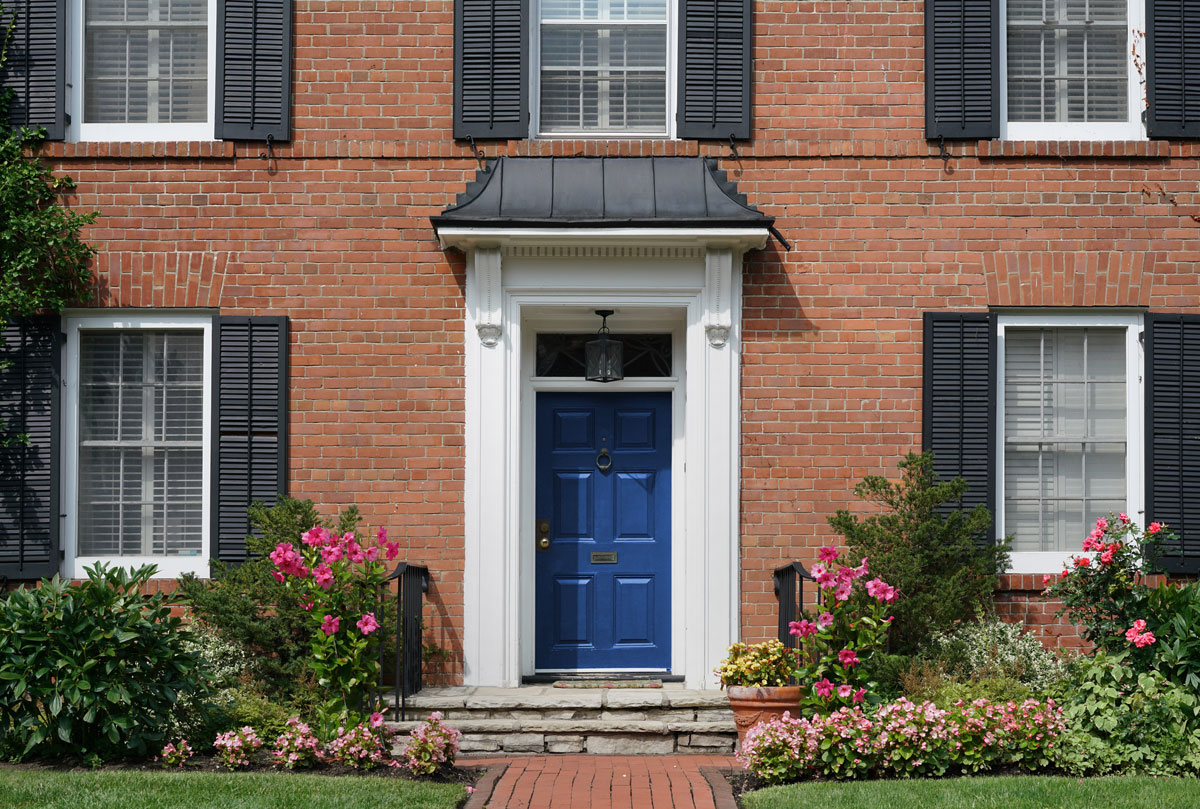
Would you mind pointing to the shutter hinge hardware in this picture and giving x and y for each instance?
(943, 152)
(269, 154)
(733, 152)
(478, 154)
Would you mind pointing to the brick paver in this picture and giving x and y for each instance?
(603, 782)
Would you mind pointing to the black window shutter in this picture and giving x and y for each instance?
(959, 411)
(254, 69)
(1172, 405)
(250, 415)
(1173, 68)
(491, 82)
(29, 448)
(962, 69)
(714, 69)
(36, 70)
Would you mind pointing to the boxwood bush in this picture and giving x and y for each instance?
(90, 670)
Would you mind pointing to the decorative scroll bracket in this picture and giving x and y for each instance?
(488, 317)
(718, 283)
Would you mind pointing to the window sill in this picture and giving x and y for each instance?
(1149, 149)
(169, 567)
(183, 148)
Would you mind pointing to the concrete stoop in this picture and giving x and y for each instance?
(607, 721)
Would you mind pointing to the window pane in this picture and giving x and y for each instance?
(141, 443)
(1065, 389)
(1068, 60)
(145, 61)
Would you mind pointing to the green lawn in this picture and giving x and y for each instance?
(1017, 792)
(114, 789)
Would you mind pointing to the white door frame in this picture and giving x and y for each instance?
(693, 274)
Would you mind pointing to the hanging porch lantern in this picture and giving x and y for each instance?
(604, 356)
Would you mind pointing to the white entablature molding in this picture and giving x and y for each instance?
(686, 281)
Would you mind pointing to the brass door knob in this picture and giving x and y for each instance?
(544, 543)
(543, 535)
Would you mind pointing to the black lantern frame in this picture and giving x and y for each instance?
(604, 357)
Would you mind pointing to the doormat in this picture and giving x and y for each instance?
(608, 684)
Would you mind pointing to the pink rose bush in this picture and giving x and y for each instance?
(431, 746)
(235, 748)
(337, 579)
(903, 740)
(849, 627)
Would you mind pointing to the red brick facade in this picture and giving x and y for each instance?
(334, 233)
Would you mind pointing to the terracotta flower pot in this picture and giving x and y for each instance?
(754, 704)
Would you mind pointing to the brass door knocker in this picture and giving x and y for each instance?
(604, 460)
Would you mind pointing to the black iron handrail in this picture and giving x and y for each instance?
(412, 584)
(789, 589)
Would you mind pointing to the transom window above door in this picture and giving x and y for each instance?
(562, 355)
(603, 66)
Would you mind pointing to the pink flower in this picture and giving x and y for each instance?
(848, 658)
(392, 550)
(1144, 639)
(828, 554)
(313, 536)
(306, 605)
(845, 690)
(859, 695)
(842, 593)
(1123, 517)
(331, 554)
(1106, 557)
(1090, 544)
(354, 551)
(381, 536)
(1047, 579)
(323, 576)
(367, 624)
(825, 620)
(330, 624)
(861, 570)
(377, 717)
(1082, 561)
(1101, 523)
(823, 687)
(277, 576)
(802, 628)
(1153, 528)
(1064, 574)
(881, 590)
(371, 554)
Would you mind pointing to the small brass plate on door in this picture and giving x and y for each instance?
(604, 557)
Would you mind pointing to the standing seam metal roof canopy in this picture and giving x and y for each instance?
(602, 192)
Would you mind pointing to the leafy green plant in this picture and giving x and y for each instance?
(930, 681)
(769, 663)
(939, 559)
(989, 648)
(93, 669)
(1122, 720)
(1175, 620)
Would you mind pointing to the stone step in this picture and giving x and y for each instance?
(448, 699)
(651, 726)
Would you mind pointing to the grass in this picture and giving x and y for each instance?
(1015, 792)
(127, 789)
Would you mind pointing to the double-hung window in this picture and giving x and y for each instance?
(603, 67)
(1069, 417)
(144, 69)
(137, 441)
(1071, 69)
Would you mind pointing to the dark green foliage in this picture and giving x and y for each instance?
(250, 609)
(940, 561)
(44, 262)
(1174, 618)
(90, 670)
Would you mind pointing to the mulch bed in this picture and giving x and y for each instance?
(260, 762)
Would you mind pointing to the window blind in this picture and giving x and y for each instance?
(1065, 430)
(145, 61)
(141, 443)
(1068, 60)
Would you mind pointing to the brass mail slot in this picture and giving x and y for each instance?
(604, 557)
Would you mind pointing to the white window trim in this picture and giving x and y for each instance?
(1133, 129)
(169, 567)
(535, 85)
(1053, 562)
(77, 130)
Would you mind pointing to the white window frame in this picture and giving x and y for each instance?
(77, 130)
(169, 567)
(1132, 129)
(1053, 561)
(535, 86)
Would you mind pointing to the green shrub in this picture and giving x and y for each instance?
(250, 609)
(1174, 618)
(1122, 721)
(989, 648)
(201, 718)
(91, 670)
(941, 561)
(927, 682)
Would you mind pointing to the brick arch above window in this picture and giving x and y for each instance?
(1078, 278)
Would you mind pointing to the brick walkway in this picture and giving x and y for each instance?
(605, 782)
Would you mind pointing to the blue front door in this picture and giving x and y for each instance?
(604, 488)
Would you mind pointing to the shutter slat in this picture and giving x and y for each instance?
(250, 449)
(959, 409)
(962, 69)
(29, 448)
(36, 67)
(254, 69)
(491, 43)
(1173, 435)
(714, 69)
(1173, 68)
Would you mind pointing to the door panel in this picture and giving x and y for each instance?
(603, 590)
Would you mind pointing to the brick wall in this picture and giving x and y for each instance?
(334, 233)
